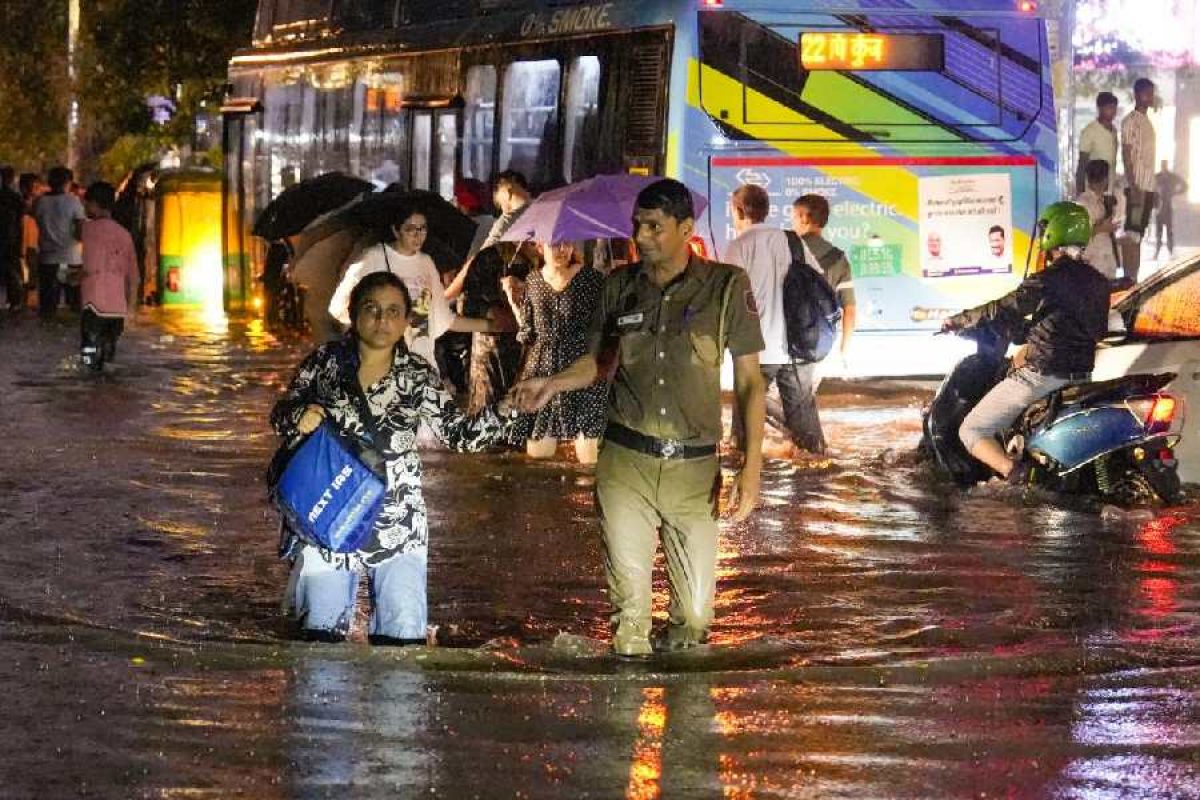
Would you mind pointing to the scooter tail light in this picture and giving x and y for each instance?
(1163, 411)
(1158, 413)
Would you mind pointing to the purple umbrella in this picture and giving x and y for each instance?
(596, 208)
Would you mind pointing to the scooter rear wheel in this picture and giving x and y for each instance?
(1141, 483)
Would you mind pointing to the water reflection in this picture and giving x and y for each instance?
(349, 731)
(645, 773)
(877, 633)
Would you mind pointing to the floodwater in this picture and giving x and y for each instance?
(877, 634)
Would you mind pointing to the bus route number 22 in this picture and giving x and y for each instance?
(819, 51)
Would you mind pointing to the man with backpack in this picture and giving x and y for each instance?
(810, 215)
(794, 305)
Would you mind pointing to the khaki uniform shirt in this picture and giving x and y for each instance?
(668, 381)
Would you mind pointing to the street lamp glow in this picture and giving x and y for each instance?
(72, 81)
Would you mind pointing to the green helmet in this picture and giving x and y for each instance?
(1063, 224)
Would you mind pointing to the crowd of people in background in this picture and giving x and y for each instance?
(59, 246)
(1121, 206)
(514, 311)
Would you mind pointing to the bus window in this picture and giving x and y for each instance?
(288, 107)
(479, 120)
(447, 147)
(529, 122)
(422, 144)
(580, 145)
(384, 150)
(332, 119)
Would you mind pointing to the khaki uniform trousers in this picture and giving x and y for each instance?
(641, 498)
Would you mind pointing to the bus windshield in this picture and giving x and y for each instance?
(898, 77)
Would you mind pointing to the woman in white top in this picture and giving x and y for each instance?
(431, 315)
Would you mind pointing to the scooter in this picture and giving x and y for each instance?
(1114, 439)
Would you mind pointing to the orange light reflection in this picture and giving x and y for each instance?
(645, 774)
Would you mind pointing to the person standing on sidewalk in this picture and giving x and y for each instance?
(672, 316)
(12, 210)
(764, 253)
(109, 285)
(1137, 156)
(1106, 211)
(1167, 186)
(60, 217)
(31, 188)
(1098, 142)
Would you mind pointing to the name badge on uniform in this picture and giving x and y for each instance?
(630, 319)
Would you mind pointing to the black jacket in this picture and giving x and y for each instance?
(1069, 304)
(12, 210)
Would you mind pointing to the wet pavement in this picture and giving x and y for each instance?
(877, 634)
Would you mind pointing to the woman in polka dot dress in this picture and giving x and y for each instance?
(554, 315)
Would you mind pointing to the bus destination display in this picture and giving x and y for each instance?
(826, 50)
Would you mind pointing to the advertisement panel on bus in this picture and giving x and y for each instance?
(924, 236)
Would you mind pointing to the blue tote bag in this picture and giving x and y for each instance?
(327, 494)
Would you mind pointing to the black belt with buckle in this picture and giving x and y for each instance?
(659, 448)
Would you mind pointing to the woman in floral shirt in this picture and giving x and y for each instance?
(401, 391)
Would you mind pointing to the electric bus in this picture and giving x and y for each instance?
(928, 125)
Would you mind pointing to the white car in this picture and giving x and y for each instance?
(1156, 329)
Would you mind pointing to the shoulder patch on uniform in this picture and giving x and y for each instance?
(751, 306)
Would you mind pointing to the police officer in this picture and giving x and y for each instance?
(672, 316)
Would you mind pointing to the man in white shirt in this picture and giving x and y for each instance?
(1105, 210)
(1098, 142)
(1137, 157)
(60, 217)
(764, 253)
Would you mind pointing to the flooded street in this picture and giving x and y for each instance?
(878, 634)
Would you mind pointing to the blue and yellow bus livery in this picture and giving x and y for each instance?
(930, 126)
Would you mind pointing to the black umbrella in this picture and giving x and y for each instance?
(450, 231)
(297, 206)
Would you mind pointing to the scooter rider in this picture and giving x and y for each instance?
(1069, 303)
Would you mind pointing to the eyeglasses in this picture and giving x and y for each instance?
(414, 228)
(376, 311)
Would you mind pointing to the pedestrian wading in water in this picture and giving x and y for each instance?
(671, 316)
(402, 390)
(109, 283)
(554, 309)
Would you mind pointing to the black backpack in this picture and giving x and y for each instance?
(810, 307)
